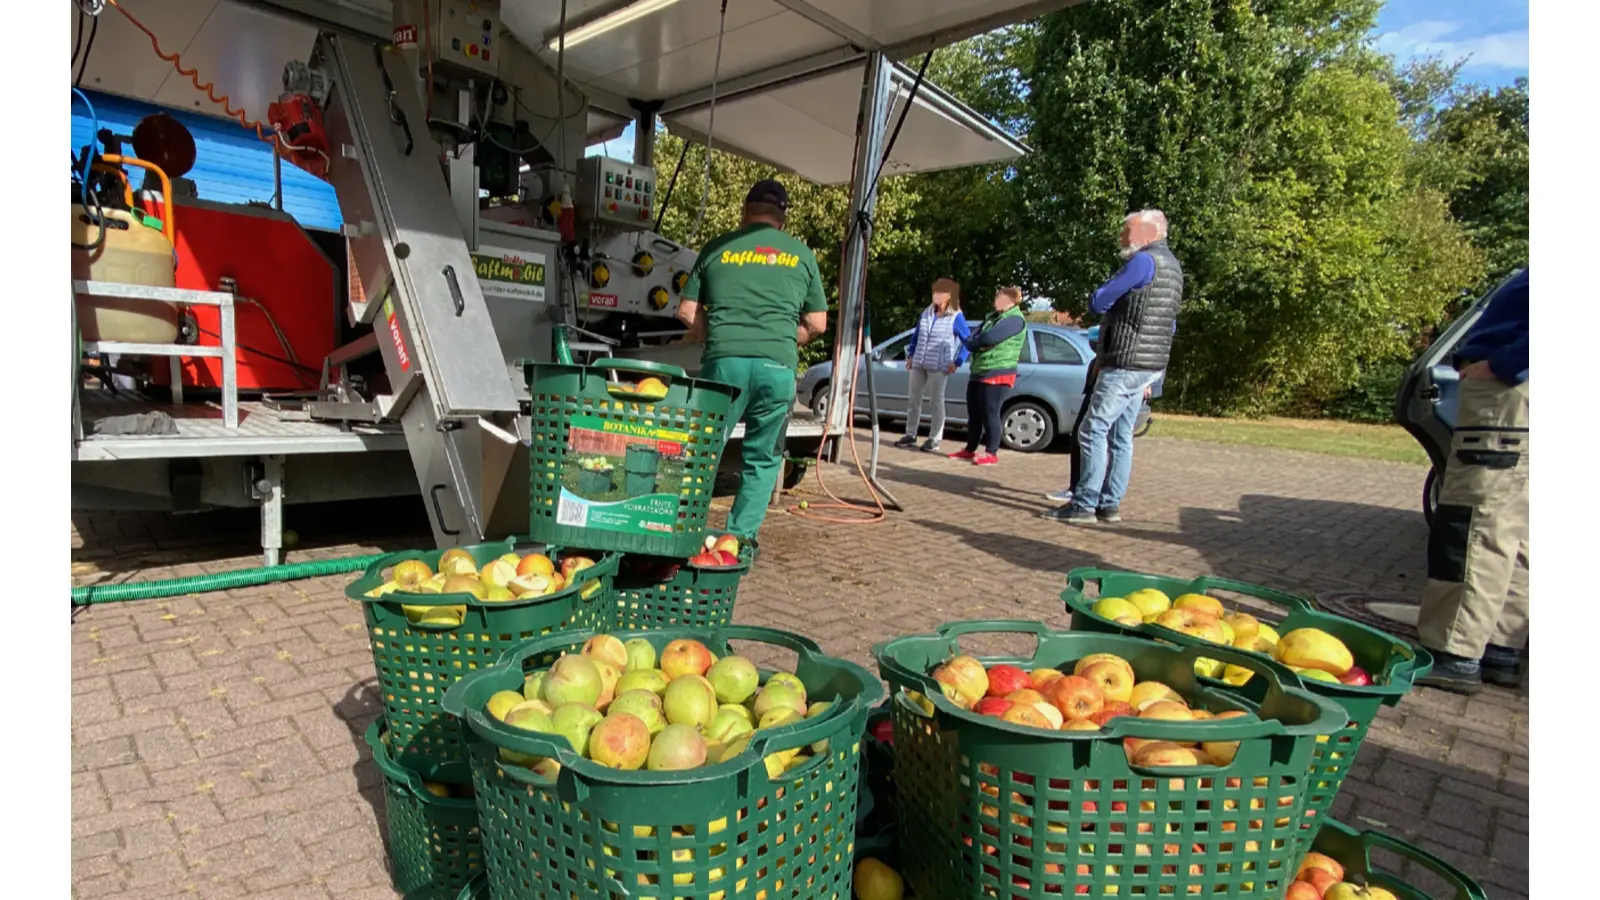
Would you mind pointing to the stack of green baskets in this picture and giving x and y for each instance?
(667, 447)
(434, 850)
(724, 830)
(433, 844)
(417, 661)
(694, 596)
(1393, 663)
(992, 809)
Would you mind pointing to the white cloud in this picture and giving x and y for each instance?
(1432, 37)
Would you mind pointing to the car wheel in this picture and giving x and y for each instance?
(1027, 427)
(819, 400)
(1430, 495)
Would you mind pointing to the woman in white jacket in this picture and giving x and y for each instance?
(936, 350)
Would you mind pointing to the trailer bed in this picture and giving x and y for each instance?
(265, 429)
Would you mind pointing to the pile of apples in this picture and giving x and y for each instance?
(649, 388)
(1310, 652)
(1101, 687)
(619, 706)
(718, 552)
(506, 578)
(1321, 877)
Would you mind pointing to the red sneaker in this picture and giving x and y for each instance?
(987, 459)
(962, 454)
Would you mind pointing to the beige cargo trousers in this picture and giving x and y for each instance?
(1477, 592)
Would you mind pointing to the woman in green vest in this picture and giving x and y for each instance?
(995, 346)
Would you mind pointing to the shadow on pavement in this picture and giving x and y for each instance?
(361, 705)
(989, 486)
(1316, 545)
(120, 543)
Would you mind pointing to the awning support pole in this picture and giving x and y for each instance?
(849, 326)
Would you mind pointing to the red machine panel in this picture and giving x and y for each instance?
(276, 265)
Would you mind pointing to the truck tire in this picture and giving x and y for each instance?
(793, 473)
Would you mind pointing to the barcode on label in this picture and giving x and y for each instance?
(570, 513)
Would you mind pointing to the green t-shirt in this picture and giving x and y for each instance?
(752, 284)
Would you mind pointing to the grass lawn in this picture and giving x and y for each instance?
(1385, 442)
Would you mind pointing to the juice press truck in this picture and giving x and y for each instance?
(314, 238)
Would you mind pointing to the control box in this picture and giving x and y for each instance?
(616, 193)
(463, 33)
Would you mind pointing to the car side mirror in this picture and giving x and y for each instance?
(876, 355)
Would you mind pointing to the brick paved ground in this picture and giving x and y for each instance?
(217, 747)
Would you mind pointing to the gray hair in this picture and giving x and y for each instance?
(1153, 217)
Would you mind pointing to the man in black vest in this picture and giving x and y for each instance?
(1140, 309)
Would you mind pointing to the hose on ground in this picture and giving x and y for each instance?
(89, 595)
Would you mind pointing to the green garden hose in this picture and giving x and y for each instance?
(222, 581)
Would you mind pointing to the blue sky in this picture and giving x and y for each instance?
(1492, 35)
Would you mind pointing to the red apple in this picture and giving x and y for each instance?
(725, 558)
(992, 706)
(706, 559)
(883, 731)
(1356, 677)
(727, 543)
(1004, 680)
(571, 565)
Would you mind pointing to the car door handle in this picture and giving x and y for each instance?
(1431, 392)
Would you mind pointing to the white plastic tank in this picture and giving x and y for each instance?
(132, 253)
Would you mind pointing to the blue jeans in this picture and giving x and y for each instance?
(1105, 440)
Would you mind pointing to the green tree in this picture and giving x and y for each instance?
(1271, 138)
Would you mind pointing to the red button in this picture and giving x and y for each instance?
(472, 49)
(486, 54)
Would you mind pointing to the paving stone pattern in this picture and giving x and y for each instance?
(218, 739)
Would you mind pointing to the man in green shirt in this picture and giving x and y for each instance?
(754, 297)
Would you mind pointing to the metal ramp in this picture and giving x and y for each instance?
(450, 387)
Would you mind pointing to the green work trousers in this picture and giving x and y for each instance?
(766, 396)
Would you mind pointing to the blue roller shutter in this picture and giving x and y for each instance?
(231, 164)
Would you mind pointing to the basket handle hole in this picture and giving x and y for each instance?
(995, 644)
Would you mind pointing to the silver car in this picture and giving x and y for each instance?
(1049, 390)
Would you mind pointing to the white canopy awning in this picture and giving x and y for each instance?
(808, 127)
(787, 90)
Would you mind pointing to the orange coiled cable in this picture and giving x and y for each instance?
(208, 88)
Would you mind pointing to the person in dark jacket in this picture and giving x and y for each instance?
(1474, 616)
(1139, 306)
(996, 348)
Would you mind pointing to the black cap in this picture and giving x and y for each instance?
(768, 191)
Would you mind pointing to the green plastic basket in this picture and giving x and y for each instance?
(693, 597)
(582, 411)
(992, 809)
(1355, 849)
(1391, 661)
(417, 661)
(434, 848)
(726, 830)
